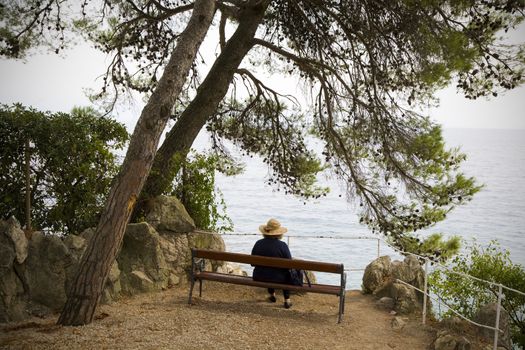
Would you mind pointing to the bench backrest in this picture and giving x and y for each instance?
(267, 261)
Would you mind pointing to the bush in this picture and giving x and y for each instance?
(195, 187)
(71, 165)
(467, 295)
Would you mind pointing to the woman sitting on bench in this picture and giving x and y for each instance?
(272, 246)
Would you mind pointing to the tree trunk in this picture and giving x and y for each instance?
(209, 94)
(28, 184)
(102, 249)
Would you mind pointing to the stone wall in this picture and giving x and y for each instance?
(35, 274)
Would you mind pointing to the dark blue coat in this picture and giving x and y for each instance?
(276, 248)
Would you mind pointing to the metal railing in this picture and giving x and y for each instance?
(425, 291)
(500, 294)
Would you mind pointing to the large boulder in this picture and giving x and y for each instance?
(486, 315)
(45, 270)
(207, 240)
(76, 245)
(167, 214)
(409, 270)
(12, 299)
(113, 286)
(382, 278)
(232, 269)
(48, 271)
(406, 300)
(176, 248)
(177, 254)
(376, 273)
(141, 259)
(12, 229)
(36, 274)
(446, 340)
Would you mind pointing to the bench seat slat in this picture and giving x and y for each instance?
(248, 281)
(271, 262)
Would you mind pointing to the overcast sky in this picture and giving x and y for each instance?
(57, 83)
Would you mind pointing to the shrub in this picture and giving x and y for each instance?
(467, 295)
(194, 185)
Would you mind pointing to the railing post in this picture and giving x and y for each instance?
(288, 240)
(498, 311)
(439, 305)
(425, 292)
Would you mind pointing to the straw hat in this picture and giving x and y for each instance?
(272, 228)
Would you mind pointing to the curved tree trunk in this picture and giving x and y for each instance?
(85, 292)
(209, 94)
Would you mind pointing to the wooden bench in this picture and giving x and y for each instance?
(198, 274)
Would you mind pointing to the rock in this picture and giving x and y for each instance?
(386, 303)
(311, 277)
(45, 270)
(406, 300)
(445, 342)
(176, 248)
(375, 274)
(398, 323)
(12, 303)
(167, 214)
(449, 341)
(74, 242)
(409, 271)
(12, 229)
(7, 250)
(113, 286)
(38, 310)
(380, 279)
(455, 323)
(87, 233)
(207, 240)
(486, 315)
(177, 254)
(38, 286)
(141, 251)
(114, 273)
(34, 277)
(386, 289)
(232, 269)
(140, 282)
(173, 280)
(463, 343)
(76, 246)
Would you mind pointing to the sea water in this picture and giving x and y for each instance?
(496, 158)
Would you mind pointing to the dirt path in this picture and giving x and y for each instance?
(226, 317)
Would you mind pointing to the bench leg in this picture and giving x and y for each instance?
(200, 288)
(342, 296)
(191, 290)
(344, 302)
(341, 308)
(192, 278)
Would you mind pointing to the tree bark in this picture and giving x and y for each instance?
(209, 94)
(84, 294)
(28, 184)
